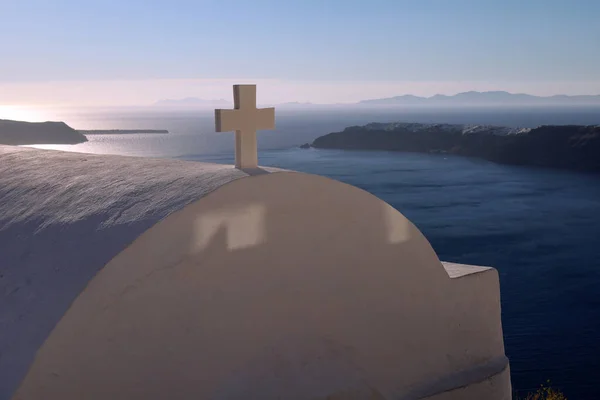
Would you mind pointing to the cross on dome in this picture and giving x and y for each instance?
(245, 119)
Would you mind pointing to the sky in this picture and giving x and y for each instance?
(134, 52)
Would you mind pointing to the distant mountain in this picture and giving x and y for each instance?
(194, 101)
(472, 98)
(191, 101)
(297, 103)
(486, 98)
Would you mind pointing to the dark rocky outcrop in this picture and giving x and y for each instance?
(22, 133)
(573, 147)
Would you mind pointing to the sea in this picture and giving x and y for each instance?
(540, 228)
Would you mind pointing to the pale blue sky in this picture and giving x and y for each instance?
(515, 43)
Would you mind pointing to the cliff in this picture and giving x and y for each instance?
(572, 147)
(20, 133)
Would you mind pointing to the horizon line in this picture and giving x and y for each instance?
(208, 101)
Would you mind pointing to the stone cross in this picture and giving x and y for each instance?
(245, 119)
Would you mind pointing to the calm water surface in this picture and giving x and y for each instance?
(539, 228)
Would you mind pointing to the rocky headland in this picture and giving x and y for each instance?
(25, 133)
(573, 147)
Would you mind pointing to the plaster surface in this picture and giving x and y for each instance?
(494, 386)
(245, 119)
(132, 278)
(64, 216)
(279, 285)
(455, 270)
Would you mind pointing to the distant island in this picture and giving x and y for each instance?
(496, 98)
(26, 133)
(298, 103)
(191, 101)
(120, 131)
(464, 99)
(573, 147)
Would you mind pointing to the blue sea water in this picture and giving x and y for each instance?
(539, 227)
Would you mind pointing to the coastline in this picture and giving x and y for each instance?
(571, 147)
(18, 133)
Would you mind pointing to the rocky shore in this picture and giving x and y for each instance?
(573, 147)
(25, 133)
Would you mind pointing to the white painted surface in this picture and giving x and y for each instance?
(245, 119)
(281, 285)
(63, 216)
(455, 270)
(324, 297)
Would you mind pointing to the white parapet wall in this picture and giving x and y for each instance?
(128, 278)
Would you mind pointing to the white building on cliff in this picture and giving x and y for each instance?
(132, 278)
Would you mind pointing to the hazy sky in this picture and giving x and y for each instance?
(136, 52)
